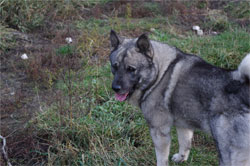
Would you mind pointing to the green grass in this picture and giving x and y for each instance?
(119, 24)
(224, 50)
(29, 15)
(238, 10)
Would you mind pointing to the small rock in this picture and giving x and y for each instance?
(12, 93)
(200, 32)
(196, 28)
(68, 40)
(24, 56)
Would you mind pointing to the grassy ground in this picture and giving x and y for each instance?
(80, 123)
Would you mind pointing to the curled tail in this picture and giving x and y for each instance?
(243, 72)
(241, 76)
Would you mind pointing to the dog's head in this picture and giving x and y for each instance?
(131, 64)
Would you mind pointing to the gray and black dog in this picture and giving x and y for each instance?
(175, 88)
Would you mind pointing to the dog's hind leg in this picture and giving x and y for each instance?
(241, 157)
(232, 136)
(185, 140)
(234, 156)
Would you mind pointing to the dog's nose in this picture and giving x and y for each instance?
(116, 88)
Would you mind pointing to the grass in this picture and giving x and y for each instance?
(225, 50)
(84, 125)
(6, 39)
(29, 15)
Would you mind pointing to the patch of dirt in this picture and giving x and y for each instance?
(23, 89)
(19, 100)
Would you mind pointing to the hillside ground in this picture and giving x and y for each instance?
(57, 107)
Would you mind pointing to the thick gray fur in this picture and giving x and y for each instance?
(173, 88)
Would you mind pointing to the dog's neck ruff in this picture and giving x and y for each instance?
(164, 55)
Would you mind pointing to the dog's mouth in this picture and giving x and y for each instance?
(121, 97)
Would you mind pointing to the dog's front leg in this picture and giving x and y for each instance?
(162, 140)
(185, 140)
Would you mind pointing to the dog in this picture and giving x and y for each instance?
(173, 88)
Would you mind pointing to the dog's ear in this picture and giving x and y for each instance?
(144, 45)
(114, 39)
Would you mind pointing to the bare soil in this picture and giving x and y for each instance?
(19, 100)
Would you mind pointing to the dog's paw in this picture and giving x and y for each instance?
(178, 158)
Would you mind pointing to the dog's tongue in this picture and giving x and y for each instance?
(121, 97)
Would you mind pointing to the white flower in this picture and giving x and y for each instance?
(200, 32)
(24, 56)
(12, 93)
(196, 28)
(68, 40)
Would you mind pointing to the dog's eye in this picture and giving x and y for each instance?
(131, 69)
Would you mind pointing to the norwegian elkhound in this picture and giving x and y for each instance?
(175, 88)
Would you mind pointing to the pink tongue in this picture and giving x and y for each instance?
(121, 97)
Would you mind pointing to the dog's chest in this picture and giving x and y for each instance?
(155, 112)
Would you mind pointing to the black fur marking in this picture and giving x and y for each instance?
(215, 137)
(203, 65)
(151, 84)
(195, 124)
(247, 81)
(168, 71)
(233, 86)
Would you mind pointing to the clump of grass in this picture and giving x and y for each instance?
(153, 7)
(218, 20)
(92, 45)
(23, 14)
(238, 10)
(6, 38)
